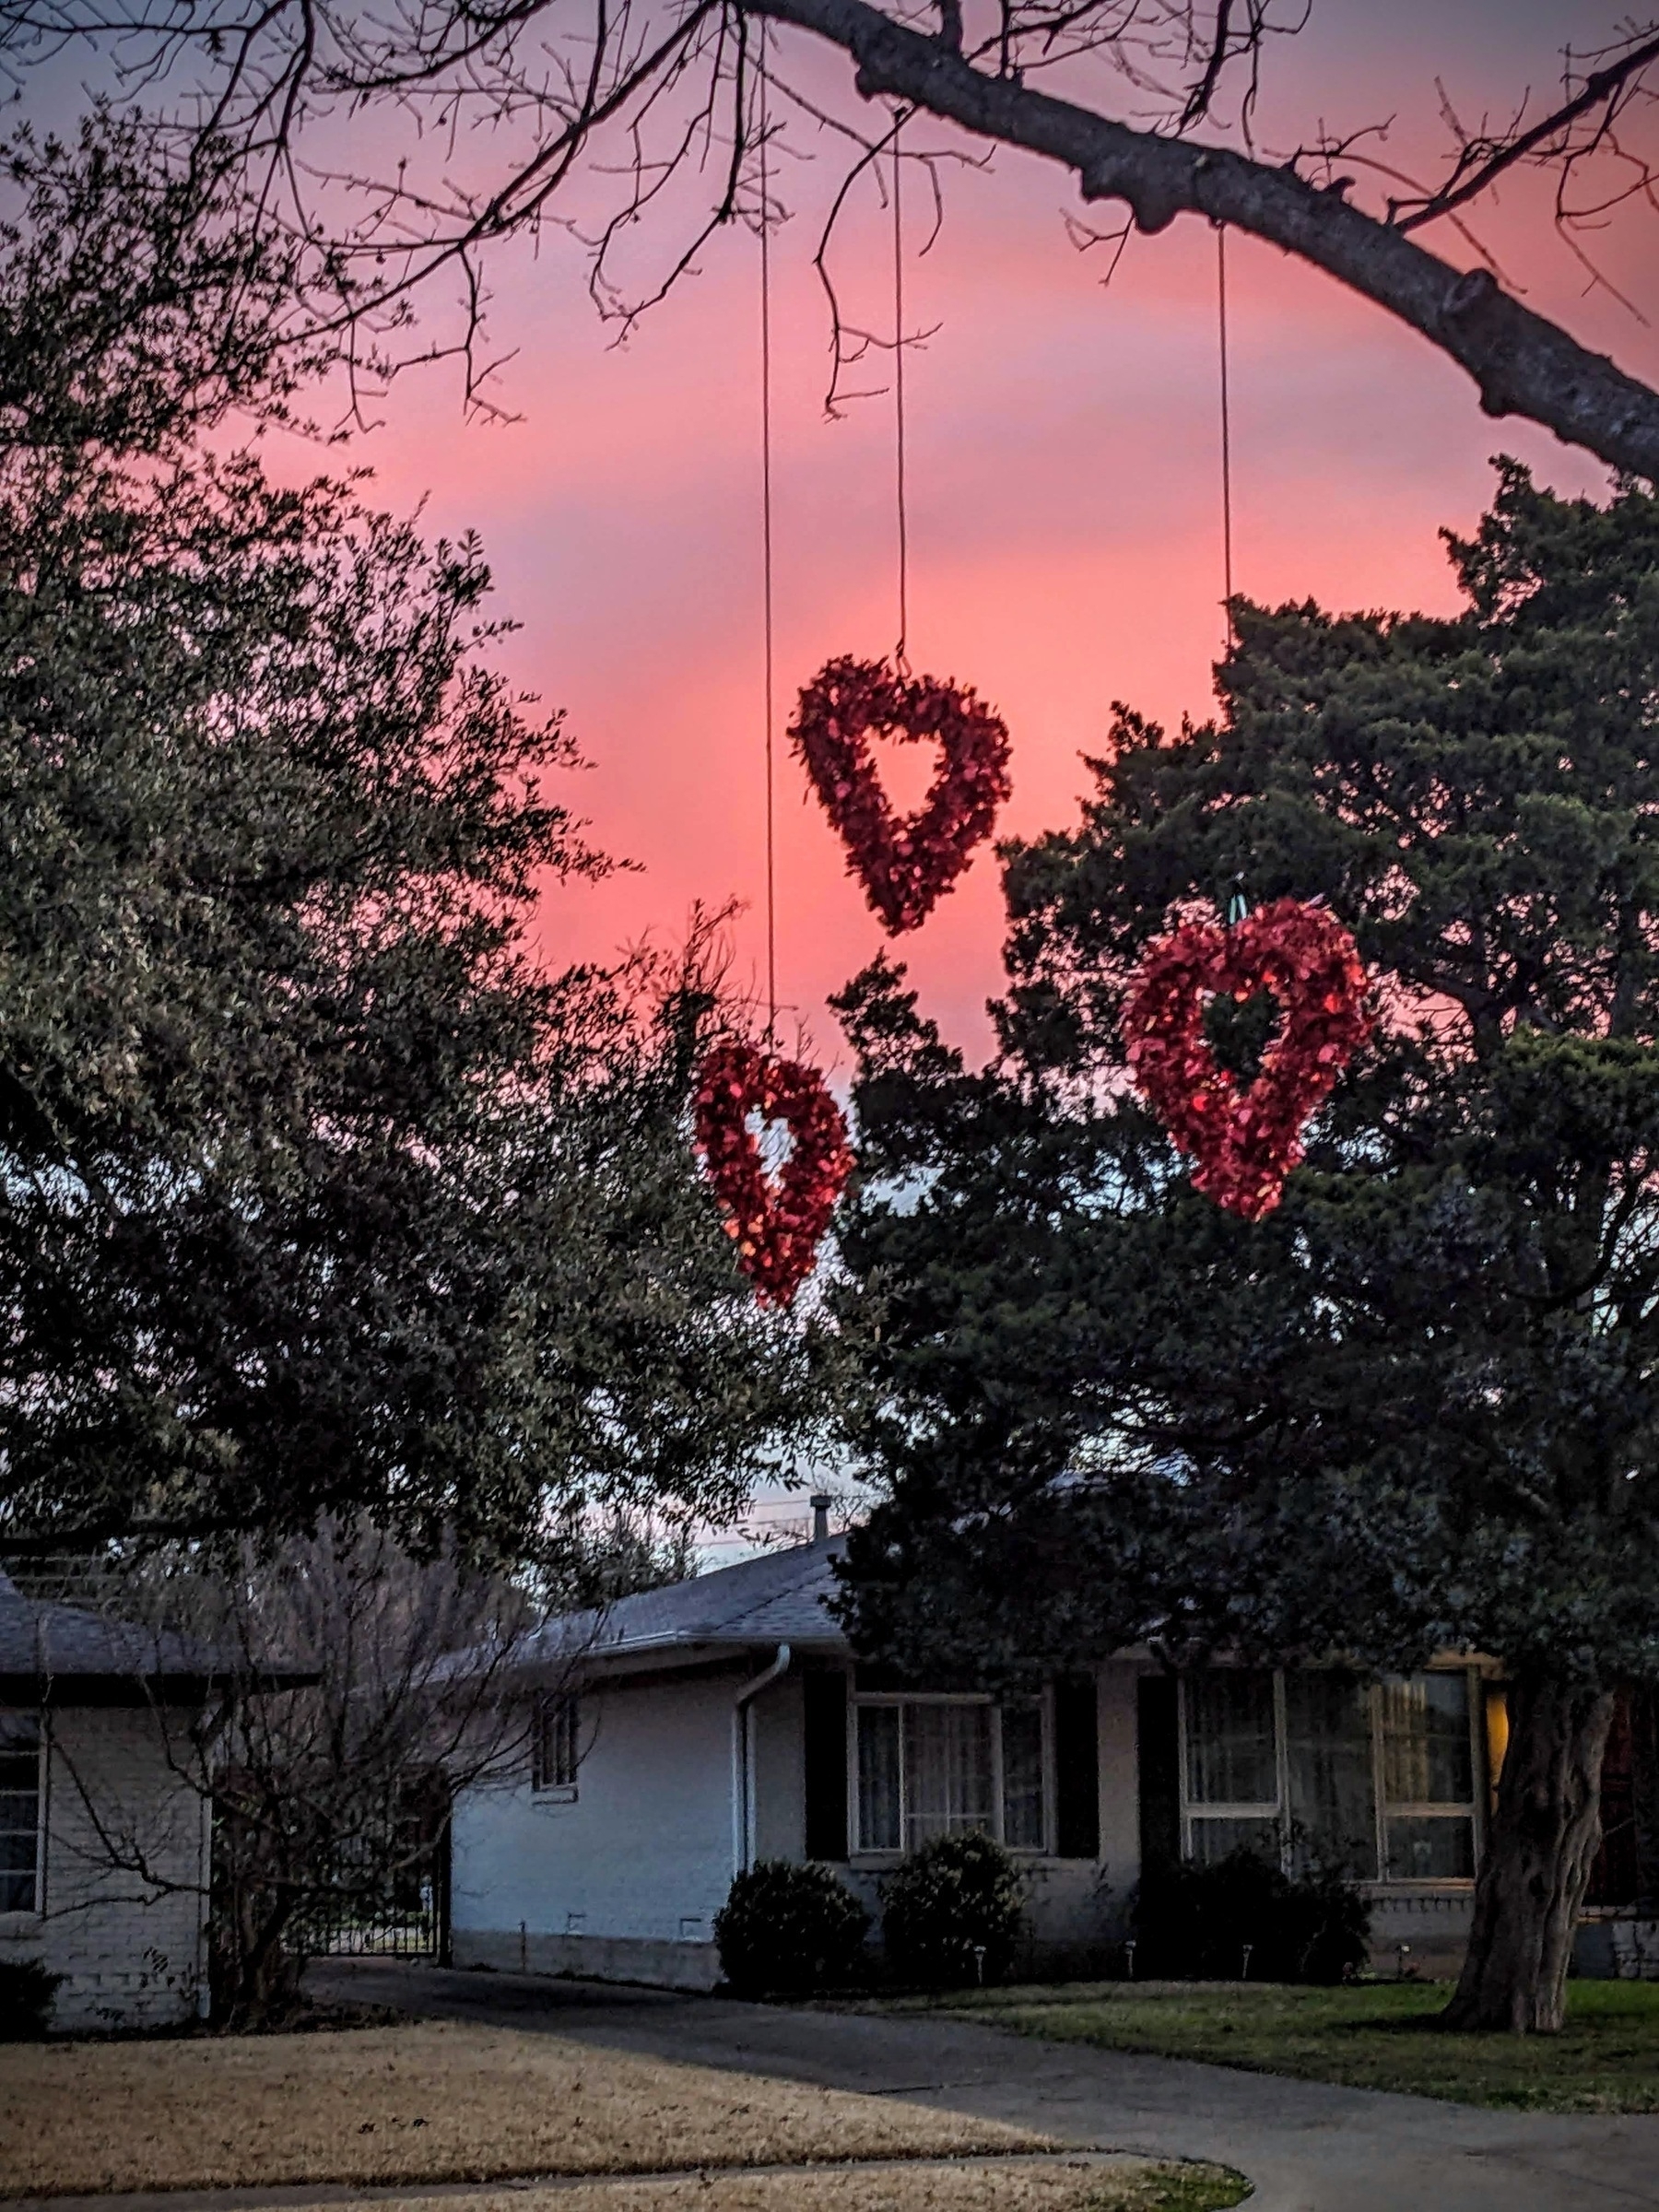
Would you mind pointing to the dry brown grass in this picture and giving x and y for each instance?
(1125, 2185)
(439, 2101)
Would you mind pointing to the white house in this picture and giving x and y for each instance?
(103, 1841)
(725, 1720)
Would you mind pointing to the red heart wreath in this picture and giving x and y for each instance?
(903, 865)
(1246, 1146)
(776, 1223)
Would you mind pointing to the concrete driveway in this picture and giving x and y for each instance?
(1307, 2146)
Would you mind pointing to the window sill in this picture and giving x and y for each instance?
(1455, 1885)
(883, 1862)
(559, 1795)
(20, 1926)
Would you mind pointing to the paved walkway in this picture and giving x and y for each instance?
(1307, 2146)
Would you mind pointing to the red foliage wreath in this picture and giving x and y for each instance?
(1245, 1146)
(775, 1222)
(904, 863)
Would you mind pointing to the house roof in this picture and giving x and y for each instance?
(778, 1597)
(68, 1656)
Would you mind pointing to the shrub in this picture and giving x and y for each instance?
(1193, 1922)
(26, 1994)
(787, 1929)
(951, 1901)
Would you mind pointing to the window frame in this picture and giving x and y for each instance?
(861, 1699)
(1196, 1812)
(556, 1714)
(34, 1909)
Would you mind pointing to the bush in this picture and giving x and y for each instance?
(953, 1912)
(26, 1994)
(787, 1929)
(1193, 1922)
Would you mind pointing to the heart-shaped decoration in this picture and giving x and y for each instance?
(776, 1222)
(903, 865)
(1246, 1142)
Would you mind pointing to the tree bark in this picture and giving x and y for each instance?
(1540, 1849)
(1521, 363)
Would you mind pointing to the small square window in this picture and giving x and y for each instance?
(555, 1743)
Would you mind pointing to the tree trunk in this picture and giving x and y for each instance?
(1540, 1848)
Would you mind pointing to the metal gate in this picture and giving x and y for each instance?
(391, 1892)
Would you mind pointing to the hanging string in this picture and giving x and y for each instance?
(765, 562)
(1227, 568)
(900, 657)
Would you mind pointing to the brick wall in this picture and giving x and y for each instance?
(132, 1949)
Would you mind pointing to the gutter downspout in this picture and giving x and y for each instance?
(743, 1761)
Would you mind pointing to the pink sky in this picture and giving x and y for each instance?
(1064, 497)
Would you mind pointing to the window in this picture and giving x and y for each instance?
(933, 1766)
(1320, 1768)
(20, 1814)
(555, 1748)
(1429, 1779)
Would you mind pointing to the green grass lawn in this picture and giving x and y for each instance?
(1381, 2035)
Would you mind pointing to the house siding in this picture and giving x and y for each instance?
(624, 1879)
(132, 1952)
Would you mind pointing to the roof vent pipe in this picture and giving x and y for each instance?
(819, 1503)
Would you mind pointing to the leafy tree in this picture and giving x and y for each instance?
(1414, 1410)
(318, 1193)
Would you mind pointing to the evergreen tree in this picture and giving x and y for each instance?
(1414, 1409)
(319, 1194)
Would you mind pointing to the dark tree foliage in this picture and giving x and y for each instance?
(790, 1929)
(318, 1193)
(1414, 1409)
(953, 1912)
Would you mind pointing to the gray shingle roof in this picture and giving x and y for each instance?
(776, 1598)
(67, 1651)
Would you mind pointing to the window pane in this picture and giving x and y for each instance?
(878, 1778)
(1430, 1851)
(1426, 1755)
(1230, 1737)
(1213, 1839)
(1022, 1777)
(20, 1811)
(947, 1770)
(1333, 1807)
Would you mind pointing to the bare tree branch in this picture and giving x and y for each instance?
(1483, 160)
(1521, 363)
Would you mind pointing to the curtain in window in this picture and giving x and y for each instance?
(1426, 1757)
(1231, 1754)
(878, 1806)
(1332, 1802)
(20, 1814)
(1213, 1838)
(1428, 1761)
(946, 1771)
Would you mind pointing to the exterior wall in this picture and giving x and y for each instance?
(625, 1878)
(623, 1882)
(132, 1952)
